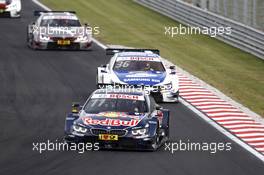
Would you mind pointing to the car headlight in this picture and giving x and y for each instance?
(44, 37)
(167, 86)
(139, 131)
(82, 38)
(79, 129)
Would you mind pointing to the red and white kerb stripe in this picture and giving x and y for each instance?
(223, 113)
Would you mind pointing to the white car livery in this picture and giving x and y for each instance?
(58, 30)
(10, 7)
(140, 68)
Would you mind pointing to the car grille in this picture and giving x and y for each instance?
(61, 38)
(118, 132)
(98, 131)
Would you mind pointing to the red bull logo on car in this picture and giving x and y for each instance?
(110, 122)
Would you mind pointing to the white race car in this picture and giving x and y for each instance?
(140, 68)
(11, 8)
(58, 30)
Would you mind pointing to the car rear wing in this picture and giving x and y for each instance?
(38, 13)
(112, 51)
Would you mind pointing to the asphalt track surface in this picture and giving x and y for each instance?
(36, 92)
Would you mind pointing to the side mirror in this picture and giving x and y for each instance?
(32, 25)
(86, 25)
(159, 112)
(104, 65)
(76, 107)
(172, 67)
(158, 107)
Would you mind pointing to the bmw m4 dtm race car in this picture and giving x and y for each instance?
(118, 119)
(58, 30)
(141, 68)
(11, 8)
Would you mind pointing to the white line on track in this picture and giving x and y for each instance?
(256, 144)
(201, 97)
(227, 106)
(234, 122)
(232, 118)
(220, 110)
(250, 134)
(253, 139)
(194, 90)
(209, 103)
(242, 124)
(226, 114)
(247, 129)
(203, 100)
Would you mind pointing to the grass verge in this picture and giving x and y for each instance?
(237, 74)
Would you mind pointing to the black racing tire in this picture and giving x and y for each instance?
(156, 140)
(96, 82)
(155, 144)
(28, 39)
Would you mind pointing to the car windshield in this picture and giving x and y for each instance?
(97, 105)
(60, 23)
(130, 65)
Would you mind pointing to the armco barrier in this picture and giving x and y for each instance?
(243, 37)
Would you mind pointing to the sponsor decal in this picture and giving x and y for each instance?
(119, 96)
(146, 78)
(138, 75)
(141, 79)
(117, 114)
(127, 58)
(110, 122)
(61, 17)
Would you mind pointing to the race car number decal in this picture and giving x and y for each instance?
(122, 64)
(110, 122)
(119, 96)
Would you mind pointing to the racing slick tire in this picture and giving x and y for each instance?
(29, 40)
(156, 142)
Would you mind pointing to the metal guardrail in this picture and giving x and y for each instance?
(243, 37)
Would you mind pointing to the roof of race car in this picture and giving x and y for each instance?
(59, 15)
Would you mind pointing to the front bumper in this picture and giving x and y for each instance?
(53, 45)
(127, 143)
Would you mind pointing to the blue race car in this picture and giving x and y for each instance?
(142, 68)
(120, 119)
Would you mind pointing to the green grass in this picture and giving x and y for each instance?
(123, 22)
